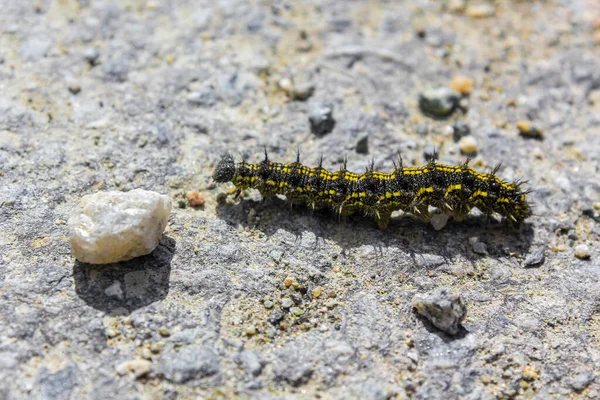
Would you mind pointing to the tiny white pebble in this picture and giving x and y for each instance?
(538, 153)
(137, 368)
(468, 145)
(331, 303)
(582, 251)
(147, 354)
(481, 10)
(286, 84)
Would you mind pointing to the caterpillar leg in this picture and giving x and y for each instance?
(422, 213)
(383, 219)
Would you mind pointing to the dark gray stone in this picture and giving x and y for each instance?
(460, 129)
(535, 258)
(480, 248)
(362, 146)
(276, 317)
(439, 102)
(321, 119)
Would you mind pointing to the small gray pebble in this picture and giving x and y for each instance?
(442, 308)
(115, 69)
(321, 119)
(202, 98)
(297, 311)
(91, 55)
(255, 22)
(268, 304)
(287, 302)
(362, 146)
(429, 260)
(439, 102)
(573, 236)
(254, 385)
(535, 258)
(251, 362)
(296, 298)
(276, 317)
(582, 381)
(480, 248)
(460, 129)
(189, 363)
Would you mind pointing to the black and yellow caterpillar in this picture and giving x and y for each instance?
(454, 190)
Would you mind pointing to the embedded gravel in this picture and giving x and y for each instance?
(253, 299)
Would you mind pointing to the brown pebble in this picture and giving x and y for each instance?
(195, 198)
(462, 84)
(528, 130)
(523, 126)
(529, 373)
(316, 292)
(74, 89)
(287, 282)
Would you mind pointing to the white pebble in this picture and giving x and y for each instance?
(109, 227)
(137, 368)
(468, 145)
(582, 251)
(448, 130)
(481, 11)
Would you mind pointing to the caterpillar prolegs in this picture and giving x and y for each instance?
(453, 190)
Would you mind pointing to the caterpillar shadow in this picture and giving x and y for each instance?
(404, 231)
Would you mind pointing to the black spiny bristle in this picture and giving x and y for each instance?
(496, 169)
(344, 165)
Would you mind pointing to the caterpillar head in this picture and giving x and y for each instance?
(225, 170)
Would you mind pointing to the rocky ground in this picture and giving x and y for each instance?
(253, 299)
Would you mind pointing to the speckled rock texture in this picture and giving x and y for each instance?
(108, 227)
(253, 299)
(444, 309)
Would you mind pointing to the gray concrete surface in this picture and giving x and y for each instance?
(257, 300)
